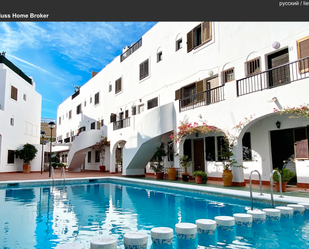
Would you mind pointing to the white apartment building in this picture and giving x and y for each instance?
(222, 73)
(20, 116)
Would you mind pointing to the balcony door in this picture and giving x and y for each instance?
(199, 155)
(280, 75)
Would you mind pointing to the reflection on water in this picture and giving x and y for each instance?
(43, 217)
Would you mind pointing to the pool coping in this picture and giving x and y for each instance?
(174, 185)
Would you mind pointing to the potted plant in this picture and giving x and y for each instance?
(200, 177)
(27, 154)
(185, 162)
(226, 155)
(286, 176)
(100, 146)
(156, 162)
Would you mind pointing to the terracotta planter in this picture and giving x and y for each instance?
(26, 168)
(198, 179)
(283, 186)
(159, 175)
(185, 177)
(227, 178)
(172, 174)
(102, 168)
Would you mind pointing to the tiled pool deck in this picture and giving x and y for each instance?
(215, 186)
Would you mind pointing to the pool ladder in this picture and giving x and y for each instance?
(271, 186)
(62, 174)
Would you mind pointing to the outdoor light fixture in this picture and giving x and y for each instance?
(210, 73)
(276, 45)
(278, 124)
(51, 125)
(42, 136)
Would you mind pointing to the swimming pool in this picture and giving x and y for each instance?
(42, 217)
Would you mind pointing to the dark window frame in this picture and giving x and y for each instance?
(11, 157)
(118, 85)
(152, 103)
(14, 93)
(144, 69)
(97, 98)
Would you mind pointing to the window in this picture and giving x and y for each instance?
(113, 117)
(85, 103)
(79, 109)
(89, 157)
(227, 75)
(210, 149)
(133, 110)
(253, 66)
(96, 98)
(170, 151)
(246, 147)
(159, 56)
(191, 93)
(90, 101)
(14, 93)
(221, 147)
(59, 121)
(303, 52)
(92, 126)
(25, 97)
(97, 156)
(70, 114)
(98, 125)
(143, 69)
(178, 44)
(127, 114)
(199, 35)
(12, 121)
(110, 87)
(102, 122)
(10, 156)
(118, 86)
(152, 103)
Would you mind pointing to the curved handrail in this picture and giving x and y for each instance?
(251, 186)
(271, 186)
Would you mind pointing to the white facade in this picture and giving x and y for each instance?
(18, 125)
(231, 52)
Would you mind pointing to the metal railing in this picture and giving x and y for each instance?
(271, 186)
(274, 77)
(208, 97)
(251, 186)
(131, 50)
(123, 123)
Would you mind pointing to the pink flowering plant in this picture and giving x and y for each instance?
(187, 128)
(100, 146)
(297, 112)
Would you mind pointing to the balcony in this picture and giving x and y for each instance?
(131, 50)
(274, 77)
(123, 123)
(205, 98)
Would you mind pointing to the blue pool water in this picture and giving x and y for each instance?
(42, 217)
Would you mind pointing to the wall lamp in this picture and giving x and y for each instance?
(278, 124)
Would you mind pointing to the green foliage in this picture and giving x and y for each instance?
(286, 175)
(202, 174)
(27, 153)
(157, 159)
(185, 162)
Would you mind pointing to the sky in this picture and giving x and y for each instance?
(59, 55)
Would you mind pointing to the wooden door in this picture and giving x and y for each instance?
(199, 155)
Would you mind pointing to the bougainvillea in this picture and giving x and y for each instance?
(297, 112)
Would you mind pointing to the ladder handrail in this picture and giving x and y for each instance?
(251, 186)
(271, 186)
(52, 173)
(62, 173)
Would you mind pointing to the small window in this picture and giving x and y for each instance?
(178, 44)
(25, 97)
(79, 109)
(89, 157)
(228, 75)
(92, 126)
(59, 121)
(70, 114)
(199, 35)
(141, 108)
(144, 69)
(118, 86)
(11, 156)
(85, 103)
(110, 87)
(159, 56)
(97, 156)
(253, 66)
(14, 93)
(152, 103)
(90, 101)
(246, 147)
(102, 122)
(12, 121)
(96, 98)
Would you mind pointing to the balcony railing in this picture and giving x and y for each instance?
(123, 123)
(131, 50)
(274, 77)
(208, 97)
